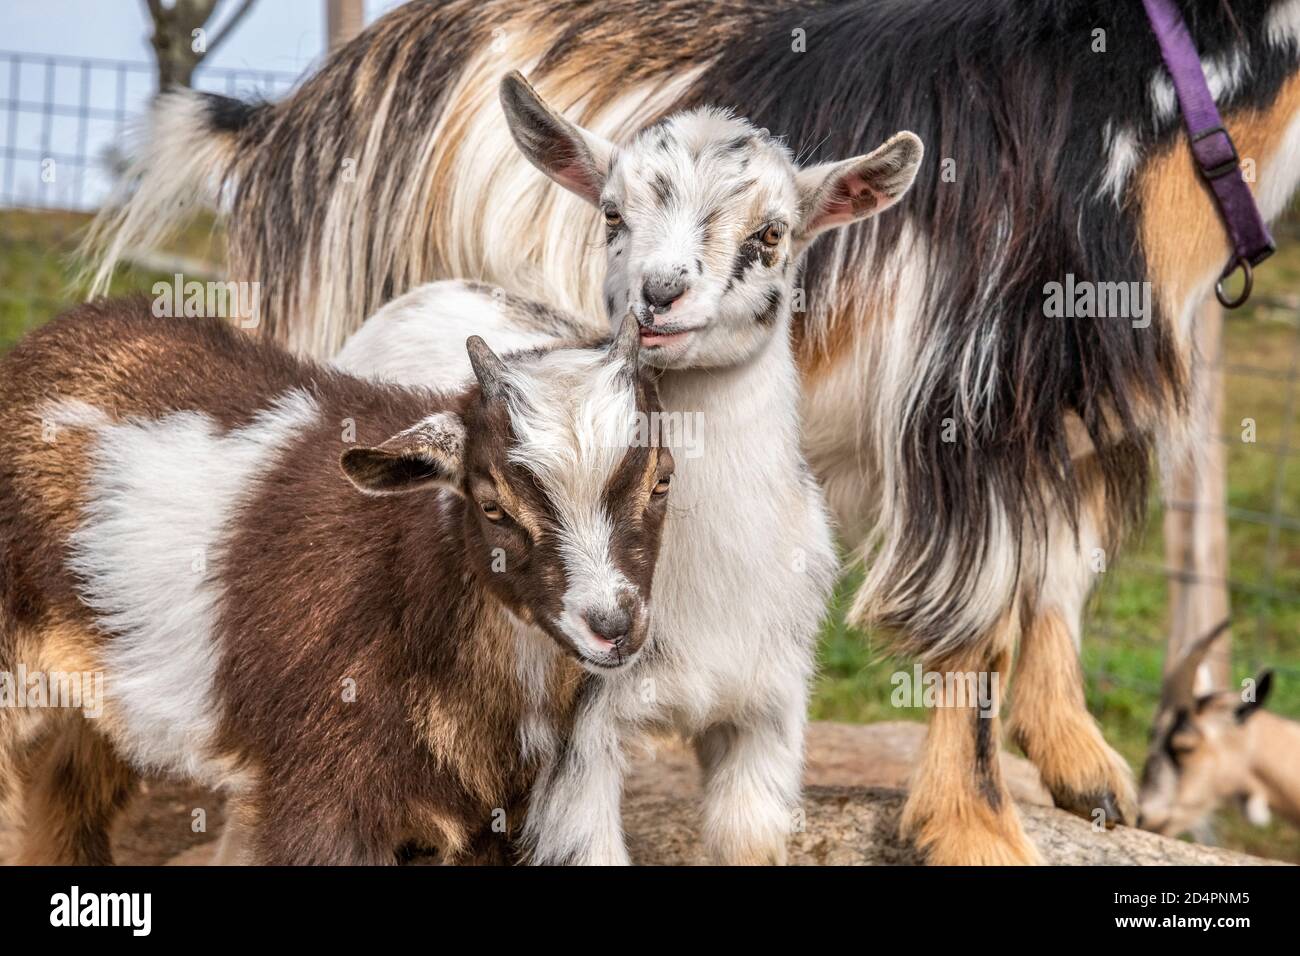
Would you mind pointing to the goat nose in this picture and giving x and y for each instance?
(613, 624)
(661, 289)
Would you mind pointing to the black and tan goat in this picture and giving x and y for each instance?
(358, 668)
(1211, 747)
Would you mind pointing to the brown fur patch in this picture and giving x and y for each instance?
(959, 811)
(1182, 235)
(320, 586)
(516, 507)
(1051, 724)
(73, 786)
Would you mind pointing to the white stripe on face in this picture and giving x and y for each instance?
(573, 413)
(594, 583)
(160, 497)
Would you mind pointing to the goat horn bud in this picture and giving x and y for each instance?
(1180, 683)
(627, 341)
(488, 368)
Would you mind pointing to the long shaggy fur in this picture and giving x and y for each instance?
(945, 389)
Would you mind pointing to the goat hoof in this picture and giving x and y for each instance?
(979, 848)
(1087, 805)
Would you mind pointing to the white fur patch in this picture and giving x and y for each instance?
(75, 414)
(160, 496)
(573, 412)
(1224, 75)
(1278, 175)
(175, 159)
(1257, 809)
(1065, 565)
(402, 344)
(535, 654)
(1121, 158)
(1164, 99)
(1283, 24)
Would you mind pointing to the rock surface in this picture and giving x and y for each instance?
(838, 755)
(855, 786)
(858, 826)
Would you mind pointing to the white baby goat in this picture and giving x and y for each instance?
(706, 218)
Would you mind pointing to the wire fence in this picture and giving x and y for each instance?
(63, 120)
(1259, 361)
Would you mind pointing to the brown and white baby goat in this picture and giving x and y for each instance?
(360, 670)
(1210, 747)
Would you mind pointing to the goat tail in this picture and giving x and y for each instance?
(180, 159)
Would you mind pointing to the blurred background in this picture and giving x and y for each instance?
(75, 73)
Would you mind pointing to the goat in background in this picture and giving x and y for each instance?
(1211, 747)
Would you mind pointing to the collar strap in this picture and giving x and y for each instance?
(1215, 154)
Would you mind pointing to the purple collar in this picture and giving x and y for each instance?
(1216, 156)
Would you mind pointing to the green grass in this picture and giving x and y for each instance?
(38, 267)
(1125, 630)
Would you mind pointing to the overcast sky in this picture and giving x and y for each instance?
(286, 36)
(275, 35)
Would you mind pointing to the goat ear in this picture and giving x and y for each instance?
(429, 453)
(836, 194)
(1263, 687)
(574, 158)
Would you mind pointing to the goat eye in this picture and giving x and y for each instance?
(772, 233)
(612, 217)
(661, 486)
(491, 510)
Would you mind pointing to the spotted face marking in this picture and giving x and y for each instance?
(706, 217)
(705, 205)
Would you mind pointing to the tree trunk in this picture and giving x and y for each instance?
(344, 19)
(173, 39)
(177, 45)
(174, 68)
(1196, 525)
